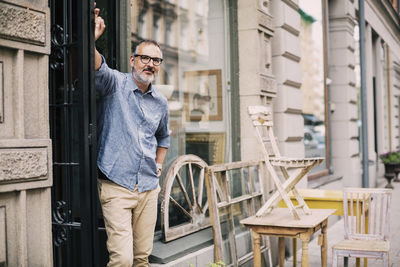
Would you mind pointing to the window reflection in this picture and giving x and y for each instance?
(192, 75)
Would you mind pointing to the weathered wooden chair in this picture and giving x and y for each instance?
(366, 224)
(261, 119)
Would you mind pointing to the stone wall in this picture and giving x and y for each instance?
(25, 147)
(257, 84)
(343, 92)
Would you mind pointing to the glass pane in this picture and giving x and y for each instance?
(226, 230)
(177, 214)
(196, 178)
(257, 203)
(242, 233)
(313, 85)
(220, 178)
(236, 183)
(193, 74)
(193, 78)
(246, 180)
(255, 179)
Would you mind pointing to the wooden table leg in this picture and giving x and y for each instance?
(366, 230)
(257, 250)
(305, 238)
(281, 245)
(324, 245)
(294, 252)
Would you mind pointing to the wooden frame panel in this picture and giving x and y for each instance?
(229, 186)
(182, 193)
(203, 95)
(208, 146)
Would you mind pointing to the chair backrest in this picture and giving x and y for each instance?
(366, 213)
(261, 119)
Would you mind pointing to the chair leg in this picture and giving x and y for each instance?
(386, 259)
(334, 258)
(294, 243)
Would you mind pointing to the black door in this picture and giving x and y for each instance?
(78, 238)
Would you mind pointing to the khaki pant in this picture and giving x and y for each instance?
(130, 218)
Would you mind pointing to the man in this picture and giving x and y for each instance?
(133, 138)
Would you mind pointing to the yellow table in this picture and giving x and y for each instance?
(280, 222)
(319, 199)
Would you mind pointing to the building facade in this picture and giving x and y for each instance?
(300, 58)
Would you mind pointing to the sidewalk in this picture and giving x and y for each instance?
(336, 234)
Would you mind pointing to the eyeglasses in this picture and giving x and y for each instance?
(146, 59)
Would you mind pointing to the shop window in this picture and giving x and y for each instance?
(313, 86)
(193, 74)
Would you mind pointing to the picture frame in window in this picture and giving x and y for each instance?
(203, 95)
(208, 146)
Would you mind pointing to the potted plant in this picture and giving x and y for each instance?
(391, 160)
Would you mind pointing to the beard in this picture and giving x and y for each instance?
(143, 78)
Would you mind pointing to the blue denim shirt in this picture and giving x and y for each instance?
(130, 127)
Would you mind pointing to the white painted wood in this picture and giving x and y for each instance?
(192, 194)
(366, 224)
(262, 122)
(225, 208)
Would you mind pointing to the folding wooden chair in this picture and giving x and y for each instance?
(366, 224)
(261, 119)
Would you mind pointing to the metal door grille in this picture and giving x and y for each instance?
(72, 129)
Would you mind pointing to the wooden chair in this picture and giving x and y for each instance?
(261, 119)
(365, 238)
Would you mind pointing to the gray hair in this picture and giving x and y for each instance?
(147, 41)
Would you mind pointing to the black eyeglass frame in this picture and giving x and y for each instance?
(146, 59)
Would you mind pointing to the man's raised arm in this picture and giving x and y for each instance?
(98, 31)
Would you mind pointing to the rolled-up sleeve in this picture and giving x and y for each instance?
(163, 132)
(105, 79)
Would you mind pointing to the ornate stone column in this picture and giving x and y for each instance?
(256, 80)
(345, 149)
(286, 54)
(25, 147)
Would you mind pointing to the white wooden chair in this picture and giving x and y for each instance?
(261, 119)
(366, 224)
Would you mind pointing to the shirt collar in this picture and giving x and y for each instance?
(150, 91)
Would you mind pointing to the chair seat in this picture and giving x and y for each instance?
(295, 162)
(363, 245)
